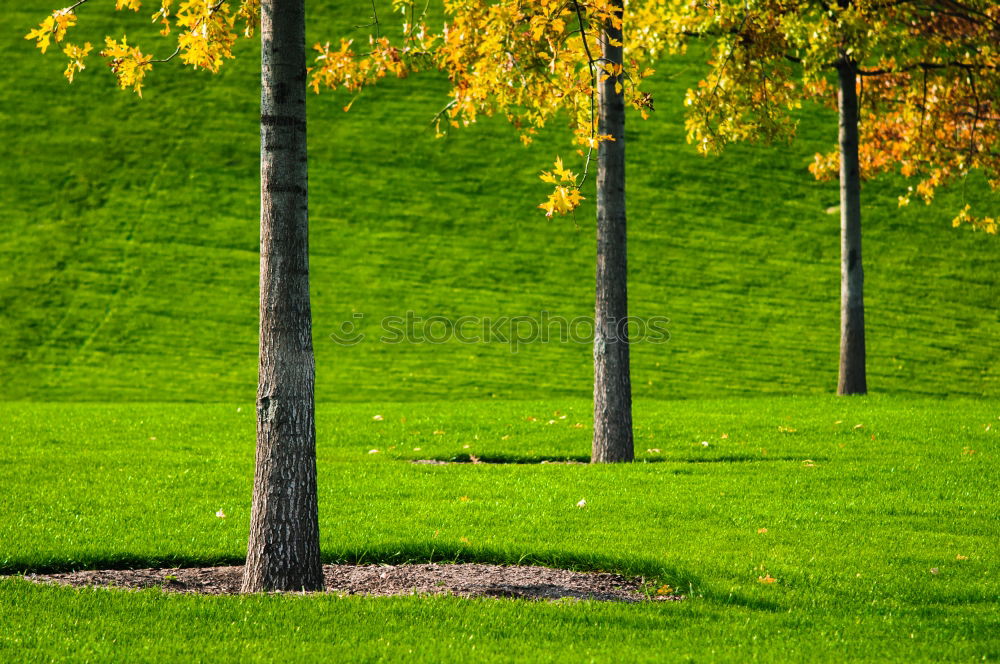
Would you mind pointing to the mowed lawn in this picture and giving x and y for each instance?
(130, 244)
(876, 517)
(128, 304)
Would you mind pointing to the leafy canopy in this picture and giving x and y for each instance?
(928, 72)
(928, 77)
(205, 34)
(527, 60)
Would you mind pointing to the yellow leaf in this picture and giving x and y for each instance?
(43, 33)
(76, 54)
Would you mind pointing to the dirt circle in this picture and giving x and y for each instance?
(462, 580)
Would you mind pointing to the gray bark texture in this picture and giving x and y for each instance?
(612, 382)
(852, 379)
(283, 549)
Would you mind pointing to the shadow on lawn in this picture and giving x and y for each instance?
(747, 458)
(117, 562)
(521, 459)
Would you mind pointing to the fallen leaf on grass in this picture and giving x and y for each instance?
(439, 433)
(372, 451)
(935, 570)
(961, 557)
(767, 578)
(761, 531)
(464, 540)
(464, 499)
(724, 436)
(377, 418)
(664, 590)
(577, 426)
(653, 450)
(787, 430)
(809, 463)
(859, 426)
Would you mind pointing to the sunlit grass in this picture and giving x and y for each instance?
(130, 235)
(129, 246)
(876, 517)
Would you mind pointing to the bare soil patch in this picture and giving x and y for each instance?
(463, 580)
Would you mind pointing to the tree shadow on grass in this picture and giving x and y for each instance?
(114, 562)
(747, 458)
(524, 459)
(502, 459)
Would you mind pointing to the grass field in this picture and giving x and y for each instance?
(861, 499)
(131, 236)
(128, 348)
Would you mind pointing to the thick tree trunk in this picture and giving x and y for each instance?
(283, 551)
(612, 383)
(852, 378)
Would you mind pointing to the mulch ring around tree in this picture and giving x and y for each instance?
(462, 580)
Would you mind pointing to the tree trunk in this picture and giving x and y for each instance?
(852, 378)
(612, 383)
(283, 551)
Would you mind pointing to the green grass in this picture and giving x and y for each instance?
(851, 539)
(131, 230)
(128, 348)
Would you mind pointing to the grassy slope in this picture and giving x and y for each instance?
(851, 539)
(130, 239)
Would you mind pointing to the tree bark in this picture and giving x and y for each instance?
(612, 382)
(283, 550)
(852, 379)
